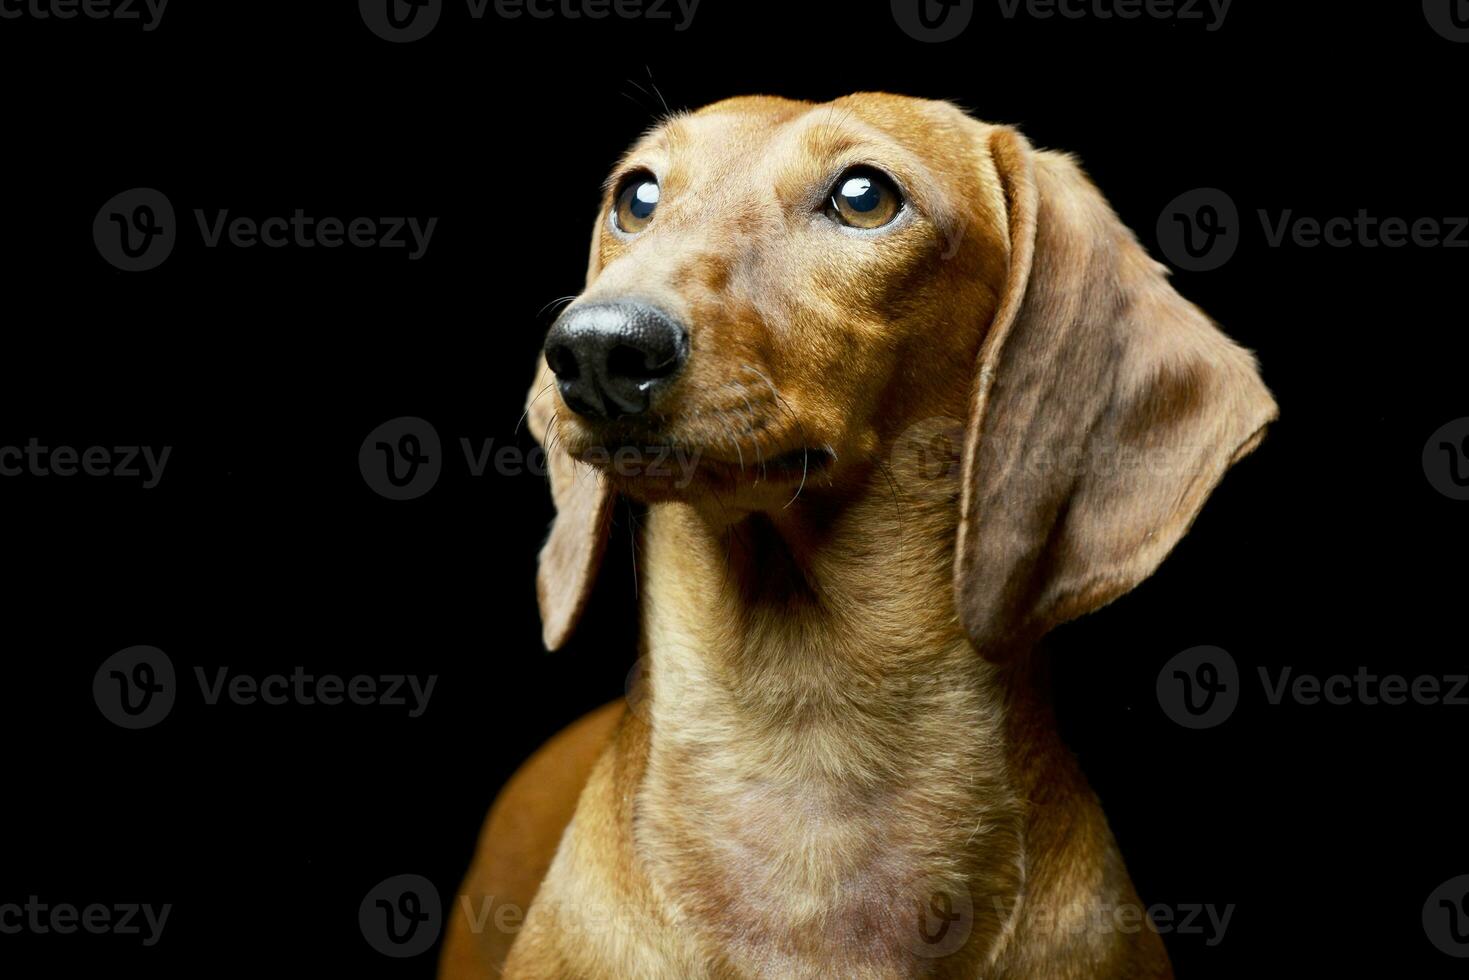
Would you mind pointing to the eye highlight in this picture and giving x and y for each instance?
(865, 198)
(636, 203)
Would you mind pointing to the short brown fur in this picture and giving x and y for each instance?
(842, 726)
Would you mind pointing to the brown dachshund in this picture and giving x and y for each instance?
(928, 398)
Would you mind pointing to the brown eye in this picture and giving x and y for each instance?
(864, 198)
(636, 203)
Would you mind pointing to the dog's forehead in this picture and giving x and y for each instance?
(743, 133)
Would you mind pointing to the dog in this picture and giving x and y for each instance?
(939, 400)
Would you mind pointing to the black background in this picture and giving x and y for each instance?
(263, 549)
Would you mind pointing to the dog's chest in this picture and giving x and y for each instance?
(787, 853)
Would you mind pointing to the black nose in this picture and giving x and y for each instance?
(611, 359)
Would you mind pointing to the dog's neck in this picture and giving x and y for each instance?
(823, 736)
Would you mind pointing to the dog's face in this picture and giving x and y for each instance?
(779, 292)
(775, 292)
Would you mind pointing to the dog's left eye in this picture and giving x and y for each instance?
(636, 203)
(865, 198)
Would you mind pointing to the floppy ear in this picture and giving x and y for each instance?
(1106, 409)
(573, 551)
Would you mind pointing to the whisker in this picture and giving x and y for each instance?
(526, 414)
(632, 540)
(754, 439)
(556, 301)
(805, 459)
(785, 406)
(892, 487)
(666, 111)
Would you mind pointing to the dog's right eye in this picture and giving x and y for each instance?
(865, 198)
(636, 203)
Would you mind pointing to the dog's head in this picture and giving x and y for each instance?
(782, 296)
